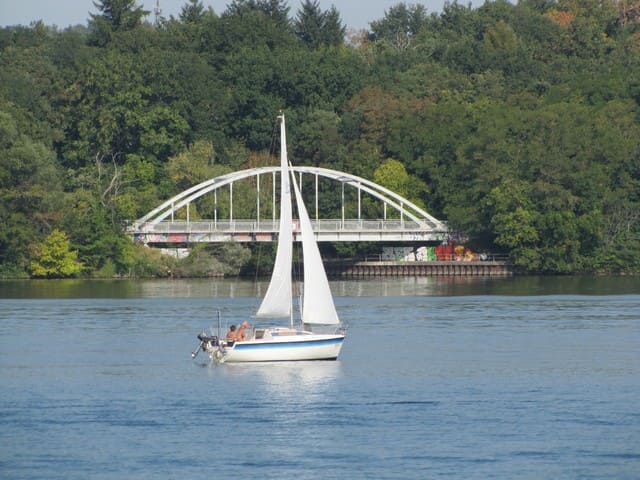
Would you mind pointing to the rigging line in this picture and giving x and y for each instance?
(257, 273)
(274, 138)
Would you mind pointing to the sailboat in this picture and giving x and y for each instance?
(319, 334)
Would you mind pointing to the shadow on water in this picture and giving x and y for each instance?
(540, 285)
(389, 286)
(141, 288)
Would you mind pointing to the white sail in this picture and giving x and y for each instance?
(318, 306)
(277, 301)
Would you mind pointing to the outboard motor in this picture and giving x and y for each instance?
(207, 343)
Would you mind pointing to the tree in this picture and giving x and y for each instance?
(115, 16)
(192, 12)
(318, 140)
(513, 222)
(334, 29)
(54, 258)
(253, 24)
(30, 192)
(192, 166)
(309, 22)
(316, 28)
(276, 10)
(501, 37)
(515, 122)
(391, 174)
(400, 25)
(116, 111)
(218, 260)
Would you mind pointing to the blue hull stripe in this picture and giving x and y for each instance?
(282, 345)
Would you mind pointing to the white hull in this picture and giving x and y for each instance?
(304, 346)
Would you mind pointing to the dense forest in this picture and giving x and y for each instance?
(517, 124)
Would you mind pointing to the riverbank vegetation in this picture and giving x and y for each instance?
(517, 124)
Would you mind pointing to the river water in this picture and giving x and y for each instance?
(518, 378)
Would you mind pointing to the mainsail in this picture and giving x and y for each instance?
(318, 306)
(277, 301)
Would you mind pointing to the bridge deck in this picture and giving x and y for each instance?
(211, 231)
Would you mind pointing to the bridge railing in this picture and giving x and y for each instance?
(226, 226)
(478, 257)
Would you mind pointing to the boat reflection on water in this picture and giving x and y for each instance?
(300, 381)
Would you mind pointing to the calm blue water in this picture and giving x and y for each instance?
(436, 380)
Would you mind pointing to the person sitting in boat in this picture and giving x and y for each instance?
(232, 336)
(241, 335)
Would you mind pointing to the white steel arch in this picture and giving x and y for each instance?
(402, 205)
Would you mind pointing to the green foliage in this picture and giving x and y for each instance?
(317, 28)
(400, 25)
(54, 258)
(318, 141)
(393, 175)
(30, 192)
(192, 166)
(192, 12)
(148, 262)
(214, 261)
(518, 124)
(114, 16)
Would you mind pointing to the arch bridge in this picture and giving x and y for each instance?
(410, 223)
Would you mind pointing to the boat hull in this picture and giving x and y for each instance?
(292, 348)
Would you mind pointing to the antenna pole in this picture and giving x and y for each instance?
(157, 11)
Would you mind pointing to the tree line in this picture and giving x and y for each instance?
(517, 124)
